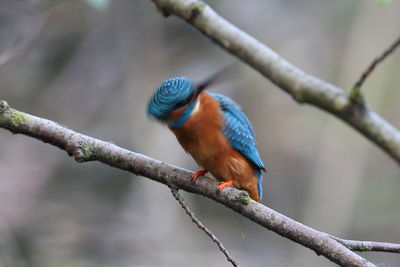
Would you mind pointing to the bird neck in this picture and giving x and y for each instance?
(185, 114)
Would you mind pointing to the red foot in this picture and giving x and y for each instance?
(222, 185)
(198, 173)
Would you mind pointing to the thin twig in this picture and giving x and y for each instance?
(199, 224)
(363, 246)
(357, 86)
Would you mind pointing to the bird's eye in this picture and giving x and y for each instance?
(184, 102)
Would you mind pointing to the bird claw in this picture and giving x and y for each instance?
(222, 185)
(198, 173)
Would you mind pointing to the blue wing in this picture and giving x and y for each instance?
(240, 133)
(238, 129)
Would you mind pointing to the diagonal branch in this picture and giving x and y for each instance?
(371, 67)
(199, 224)
(355, 93)
(84, 148)
(302, 87)
(363, 246)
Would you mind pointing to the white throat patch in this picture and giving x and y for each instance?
(196, 106)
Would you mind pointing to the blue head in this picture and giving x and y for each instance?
(173, 94)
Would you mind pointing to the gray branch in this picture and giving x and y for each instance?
(199, 224)
(302, 87)
(84, 148)
(357, 86)
(364, 246)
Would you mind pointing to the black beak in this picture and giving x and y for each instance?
(213, 79)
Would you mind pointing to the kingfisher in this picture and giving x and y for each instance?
(213, 129)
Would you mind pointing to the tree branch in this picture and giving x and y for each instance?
(364, 246)
(302, 87)
(355, 93)
(199, 224)
(84, 148)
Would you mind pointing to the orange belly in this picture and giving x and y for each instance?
(202, 137)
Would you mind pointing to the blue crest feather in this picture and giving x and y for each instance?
(166, 97)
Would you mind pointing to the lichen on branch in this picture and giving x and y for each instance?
(84, 148)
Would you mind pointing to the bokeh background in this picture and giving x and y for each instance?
(94, 69)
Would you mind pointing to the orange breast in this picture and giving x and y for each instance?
(202, 137)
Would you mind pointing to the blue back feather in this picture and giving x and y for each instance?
(240, 134)
(237, 127)
(166, 97)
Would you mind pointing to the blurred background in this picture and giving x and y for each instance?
(92, 66)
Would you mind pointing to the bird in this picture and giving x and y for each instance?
(213, 129)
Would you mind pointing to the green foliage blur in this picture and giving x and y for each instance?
(99, 4)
